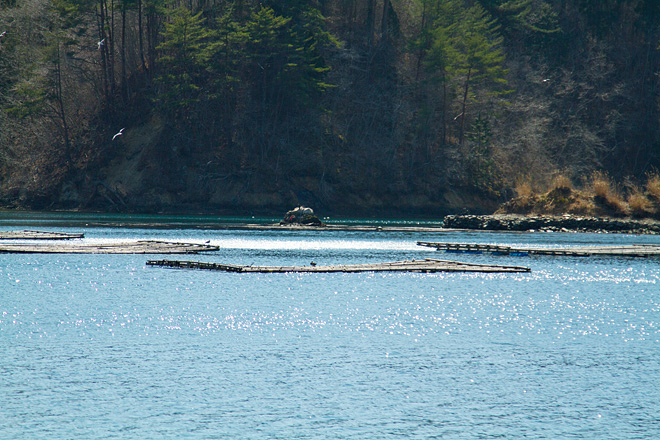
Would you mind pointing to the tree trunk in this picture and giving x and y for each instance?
(124, 81)
(465, 97)
(102, 48)
(420, 54)
(111, 33)
(371, 10)
(385, 20)
(60, 105)
(140, 36)
(444, 109)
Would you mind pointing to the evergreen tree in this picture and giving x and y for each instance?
(480, 59)
(306, 69)
(186, 53)
(462, 52)
(284, 68)
(268, 49)
(443, 58)
(224, 82)
(530, 15)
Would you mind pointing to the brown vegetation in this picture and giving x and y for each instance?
(598, 196)
(653, 187)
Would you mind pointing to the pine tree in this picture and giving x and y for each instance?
(480, 59)
(443, 57)
(223, 82)
(186, 52)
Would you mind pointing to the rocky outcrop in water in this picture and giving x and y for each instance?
(301, 216)
(565, 223)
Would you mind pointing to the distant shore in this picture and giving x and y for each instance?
(500, 222)
(484, 222)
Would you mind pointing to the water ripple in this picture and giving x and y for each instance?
(103, 346)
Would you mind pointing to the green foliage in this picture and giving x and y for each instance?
(479, 47)
(185, 53)
(71, 10)
(482, 170)
(463, 54)
(279, 58)
(444, 56)
(268, 41)
(305, 71)
(226, 47)
(286, 56)
(535, 16)
(29, 97)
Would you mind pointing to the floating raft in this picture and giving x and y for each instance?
(634, 250)
(428, 265)
(137, 247)
(38, 235)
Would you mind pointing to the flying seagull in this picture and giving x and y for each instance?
(3, 34)
(119, 133)
(100, 43)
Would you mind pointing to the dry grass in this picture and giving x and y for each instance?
(561, 181)
(524, 188)
(606, 194)
(653, 186)
(597, 195)
(601, 185)
(580, 206)
(639, 205)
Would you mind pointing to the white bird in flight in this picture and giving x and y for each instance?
(100, 43)
(119, 133)
(3, 34)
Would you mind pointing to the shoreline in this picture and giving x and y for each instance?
(552, 223)
(567, 223)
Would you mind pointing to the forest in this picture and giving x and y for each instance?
(383, 107)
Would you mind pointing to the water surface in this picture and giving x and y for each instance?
(104, 346)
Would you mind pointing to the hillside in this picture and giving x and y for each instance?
(384, 107)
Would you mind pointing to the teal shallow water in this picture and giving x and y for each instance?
(103, 346)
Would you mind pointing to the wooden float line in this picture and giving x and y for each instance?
(38, 235)
(138, 247)
(278, 227)
(645, 250)
(428, 265)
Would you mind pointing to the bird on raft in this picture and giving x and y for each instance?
(119, 133)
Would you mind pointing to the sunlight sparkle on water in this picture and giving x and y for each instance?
(567, 350)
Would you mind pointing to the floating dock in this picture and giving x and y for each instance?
(634, 250)
(136, 247)
(428, 265)
(38, 235)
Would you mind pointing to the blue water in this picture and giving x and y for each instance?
(104, 346)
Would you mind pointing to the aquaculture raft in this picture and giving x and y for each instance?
(136, 247)
(634, 250)
(38, 235)
(428, 265)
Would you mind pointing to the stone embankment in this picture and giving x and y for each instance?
(565, 223)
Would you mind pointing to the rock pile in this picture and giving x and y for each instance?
(565, 223)
(301, 216)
